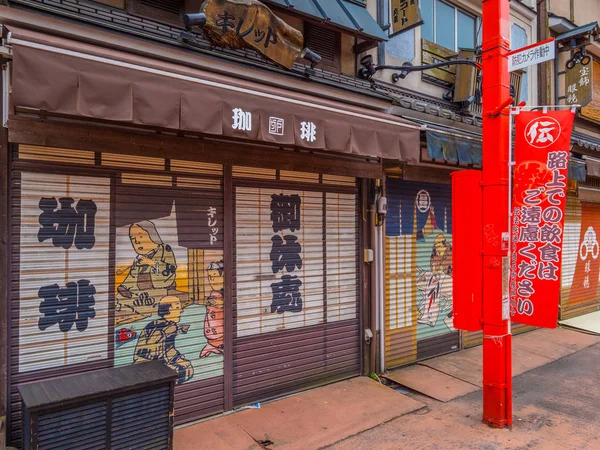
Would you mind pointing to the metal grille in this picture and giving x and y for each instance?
(65, 429)
(418, 301)
(324, 42)
(296, 321)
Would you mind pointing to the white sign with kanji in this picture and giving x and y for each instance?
(531, 55)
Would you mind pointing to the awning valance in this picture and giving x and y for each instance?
(343, 13)
(73, 79)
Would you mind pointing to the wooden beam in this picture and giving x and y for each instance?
(117, 140)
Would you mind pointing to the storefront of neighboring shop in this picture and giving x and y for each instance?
(418, 290)
(229, 245)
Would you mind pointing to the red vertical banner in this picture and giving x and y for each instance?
(542, 146)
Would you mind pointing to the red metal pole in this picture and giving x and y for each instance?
(497, 361)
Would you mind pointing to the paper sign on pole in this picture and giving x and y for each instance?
(542, 147)
(531, 55)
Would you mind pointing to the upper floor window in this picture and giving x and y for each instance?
(518, 39)
(447, 25)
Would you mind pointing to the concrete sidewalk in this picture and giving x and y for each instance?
(456, 374)
(334, 413)
(308, 420)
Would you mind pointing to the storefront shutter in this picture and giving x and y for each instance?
(418, 272)
(117, 260)
(296, 321)
(581, 259)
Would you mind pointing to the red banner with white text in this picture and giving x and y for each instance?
(542, 146)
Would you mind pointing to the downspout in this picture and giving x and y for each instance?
(381, 5)
(381, 284)
(373, 289)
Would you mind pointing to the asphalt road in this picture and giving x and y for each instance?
(556, 406)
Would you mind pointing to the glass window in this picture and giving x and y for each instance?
(448, 26)
(518, 39)
(427, 13)
(444, 25)
(466, 31)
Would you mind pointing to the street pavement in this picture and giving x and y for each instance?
(435, 404)
(556, 406)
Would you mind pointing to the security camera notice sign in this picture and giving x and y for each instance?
(542, 147)
(531, 55)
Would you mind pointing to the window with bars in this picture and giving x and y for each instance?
(326, 43)
(168, 11)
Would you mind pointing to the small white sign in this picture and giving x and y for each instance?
(276, 126)
(531, 55)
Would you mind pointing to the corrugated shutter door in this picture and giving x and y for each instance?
(118, 260)
(418, 272)
(581, 259)
(296, 321)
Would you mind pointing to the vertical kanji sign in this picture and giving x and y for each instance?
(542, 144)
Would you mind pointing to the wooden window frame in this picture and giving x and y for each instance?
(135, 8)
(334, 65)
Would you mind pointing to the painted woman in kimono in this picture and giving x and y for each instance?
(213, 322)
(151, 275)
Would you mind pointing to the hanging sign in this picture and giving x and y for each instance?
(405, 15)
(531, 55)
(579, 85)
(542, 145)
(250, 24)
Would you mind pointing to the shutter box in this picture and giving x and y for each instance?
(122, 408)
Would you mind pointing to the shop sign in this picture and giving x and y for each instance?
(405, 15)
(250, 24)
(542, 146)
(531, 55)
(579, 85)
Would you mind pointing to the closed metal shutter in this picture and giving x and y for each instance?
(296, 321)
(117, 260)
(418, 316)
(581, 259)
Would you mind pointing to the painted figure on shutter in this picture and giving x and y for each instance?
(157, 340)
(151, 275)
(419, 229)
(435, 300)
(213, 321)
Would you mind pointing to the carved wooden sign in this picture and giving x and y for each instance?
(250, 24)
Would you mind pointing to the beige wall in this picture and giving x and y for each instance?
(583, 11)
(414, 82)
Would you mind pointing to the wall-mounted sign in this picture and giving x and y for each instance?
(579, 85)
(405, 15)
(250, 24)
(532, 54)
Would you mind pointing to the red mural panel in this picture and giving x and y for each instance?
(587, 268)
(542, 145)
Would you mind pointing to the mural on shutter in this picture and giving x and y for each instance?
(169, 278)
(63, 292)
(419, 278)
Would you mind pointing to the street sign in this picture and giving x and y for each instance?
(579, 85)
(531, 55)
(542, 148)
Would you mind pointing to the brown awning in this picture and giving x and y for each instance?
(66, 77)
(593, 167)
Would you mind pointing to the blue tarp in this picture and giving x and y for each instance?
(445, 147)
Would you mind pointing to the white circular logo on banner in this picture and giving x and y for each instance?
(542, 132)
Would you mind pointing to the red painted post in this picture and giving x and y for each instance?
(497, 361)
